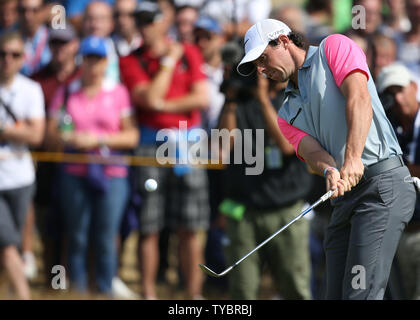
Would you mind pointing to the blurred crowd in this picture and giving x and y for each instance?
(109, 80)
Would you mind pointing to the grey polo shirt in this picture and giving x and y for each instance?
(317, 106)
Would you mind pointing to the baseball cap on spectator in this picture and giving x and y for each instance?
(64, 35)
(189, 3)
(208, 24)
(93, 45)
(394, 74)
(256, 40)
(147, 12)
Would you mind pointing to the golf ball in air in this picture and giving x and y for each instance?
(150, 185)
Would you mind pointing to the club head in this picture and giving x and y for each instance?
(210, 272)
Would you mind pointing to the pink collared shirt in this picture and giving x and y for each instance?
(100, 115)
(344, 56)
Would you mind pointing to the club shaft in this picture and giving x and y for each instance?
(319, 201)
(274, 235)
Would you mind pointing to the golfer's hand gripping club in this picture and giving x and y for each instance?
(210, 272)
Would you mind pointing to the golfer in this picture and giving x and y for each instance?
(333, 117)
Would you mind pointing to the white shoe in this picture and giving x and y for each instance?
(30, 269)
(121, 291)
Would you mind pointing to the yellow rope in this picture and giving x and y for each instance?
(114, 159)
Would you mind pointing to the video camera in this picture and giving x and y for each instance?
(236, 87)
(388, 101)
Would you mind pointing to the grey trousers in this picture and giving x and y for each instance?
(363, 235)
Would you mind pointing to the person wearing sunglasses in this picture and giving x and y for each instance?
(63, 67)
(21, 126)
(93, 197)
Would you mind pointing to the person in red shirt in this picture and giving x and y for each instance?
(167, 86)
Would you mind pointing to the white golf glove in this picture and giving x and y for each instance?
(416, 182)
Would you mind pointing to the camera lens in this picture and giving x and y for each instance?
(387, 100)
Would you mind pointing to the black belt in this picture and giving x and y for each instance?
(383, 166)
(413, 226)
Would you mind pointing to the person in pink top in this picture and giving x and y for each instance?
(92, 115)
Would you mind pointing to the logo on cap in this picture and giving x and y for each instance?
(273, 35)
(94, 42)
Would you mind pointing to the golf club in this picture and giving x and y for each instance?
(319, 201)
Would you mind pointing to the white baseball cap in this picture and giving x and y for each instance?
(394, 74)
(256, 40)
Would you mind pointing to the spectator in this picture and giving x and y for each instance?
(185, 18)
(168, 16)
(126, 38)
(21, 126)
(93, 197)
(210, 40)
(384, 52)
(75, 10)
(269, 201)
(8, 15)
(35, 33)
(186, 14)
(373, 17)
(319, 24)
(396, 21)
(396, 81)
(293, 15)
(64, 45)
(167, 86)
(98, 21)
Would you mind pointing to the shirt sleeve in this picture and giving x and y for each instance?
(37, 109)
(344, 56)
(131, 72)
(292, 134)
